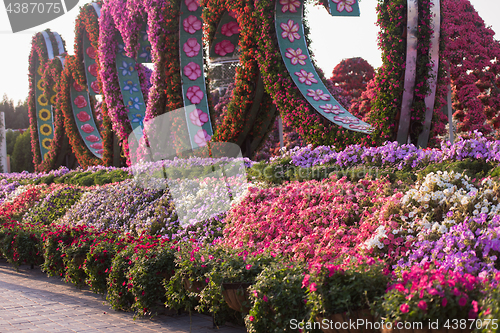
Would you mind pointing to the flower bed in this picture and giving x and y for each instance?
(431, 237)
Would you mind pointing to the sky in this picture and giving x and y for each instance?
(333, 39)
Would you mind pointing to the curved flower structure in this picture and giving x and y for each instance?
(114, 40)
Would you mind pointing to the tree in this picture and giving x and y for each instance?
(22, 157)
(16, 117)
(11, 137)
(352, 75)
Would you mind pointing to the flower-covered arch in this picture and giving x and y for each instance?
(275, 76)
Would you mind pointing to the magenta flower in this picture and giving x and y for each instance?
(313, 287)
(198, 117)
(422, 305)
(248, 266)
(192, 5)
(194, 94)
(191, 47)
(224, 47)
(191, 24)
(346, 119)
(92, 138)
(404, 308)
(192, 71)
(444, 302)
(83, 116)
(265, 299)
(230, 28)
(462, 301)
(290, 5)
(305, 77)
(87, 128)
(90, 52)
(329, 108)
(201, 138)
(251, 318)
(290, 30)
(344, 4)
(318, 94)
(96, 145)
(296, 56)
(361, 127)
(80, 102)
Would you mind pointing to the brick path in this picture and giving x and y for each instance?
(32, 302)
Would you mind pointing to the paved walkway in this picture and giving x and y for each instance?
(32, 302)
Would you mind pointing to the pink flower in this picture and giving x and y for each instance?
(344, 4)
(248, 266)
(87, 128)
(198, 117)
(290, 30)
(201, 138)
(422, 305)
(404, 308)
(305, 77)
(305, 282)
(444, 302)
(83, 116)
(290, 5)
(462, 301)
(90, 52)
(191, 47)
(230, 28)
(77, 86)
(96, 145)
(93, 69)
(361, 127)
(192, 5)
(255, 293)
(265, 299)
(92, 138)
(191, 24)
(346, 120)
(194, 94)
(233, 14)
(318, 94)
(329, 108)
(95, 87)
(251, 318)
(313, 287)
(224, 47)
(192, 71)
(80, 102)
(296, 56)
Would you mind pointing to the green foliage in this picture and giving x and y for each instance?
(22, 157)
(154, 266)
(74, 256)
(11, 137)
(98, 262)
(336, 289)
(119, 295)
(277, 297)
(475, 169)
(21, 244)
(490, 307)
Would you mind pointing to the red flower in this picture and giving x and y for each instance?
(87, 128)
(90, 52)
(80, 102)
(83, 116)
(422, 305)
(93, 69)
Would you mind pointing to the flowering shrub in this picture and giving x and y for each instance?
(109, 206)
(348, 285)
(430, 293)
(277, 297)
(53, 205)
(310, 220)
(20, 243)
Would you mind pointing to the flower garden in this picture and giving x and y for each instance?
(407, 234)
(366, 210)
